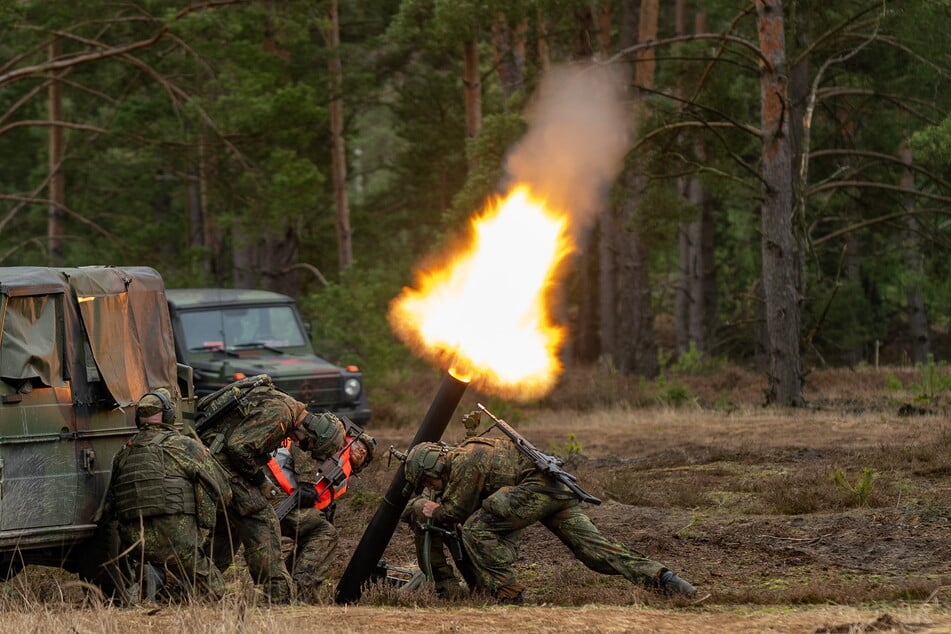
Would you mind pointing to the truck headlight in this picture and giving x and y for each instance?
(352, 388)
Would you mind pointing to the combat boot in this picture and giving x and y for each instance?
(671, 584)
(511, 594)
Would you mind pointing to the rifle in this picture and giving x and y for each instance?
(542, 461)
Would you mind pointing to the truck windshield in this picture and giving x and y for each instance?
(271, 327)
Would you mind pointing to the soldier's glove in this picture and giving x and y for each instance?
(256, 477)
(308, 495)
(330, 511)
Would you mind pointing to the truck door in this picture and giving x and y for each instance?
(38, 474)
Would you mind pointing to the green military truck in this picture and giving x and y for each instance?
(78, 348)
(227, 334)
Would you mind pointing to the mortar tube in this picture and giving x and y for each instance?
(380, 530)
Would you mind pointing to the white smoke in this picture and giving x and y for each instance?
(579, 132)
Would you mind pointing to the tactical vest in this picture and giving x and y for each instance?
(506, 464)
(143, 486)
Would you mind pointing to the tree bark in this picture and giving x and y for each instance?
(508, 45)
(637, 352)
(57, 184)
(338, 150)
(779, 254)
(914, 260)
(473, 87)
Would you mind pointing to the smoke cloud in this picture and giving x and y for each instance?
(579, 132)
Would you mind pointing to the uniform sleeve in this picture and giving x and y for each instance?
(305, 467)
(463, 493)
(250, 443)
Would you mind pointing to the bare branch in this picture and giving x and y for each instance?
(882, 157)
(47, 201)
(874, 221)
(895, 99)
(50, 124)
(874, 185)
(76, 60)
(807, 121)
(720, 37)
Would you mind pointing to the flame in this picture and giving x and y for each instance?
(483, 315)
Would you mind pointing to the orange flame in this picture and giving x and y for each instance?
(484, 314)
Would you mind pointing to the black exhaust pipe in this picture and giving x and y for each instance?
(380, 530)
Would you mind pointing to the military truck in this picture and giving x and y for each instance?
(78, 348)
(227, 334)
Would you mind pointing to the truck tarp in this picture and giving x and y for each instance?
(123, 311)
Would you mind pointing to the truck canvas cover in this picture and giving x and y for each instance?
(121, 310)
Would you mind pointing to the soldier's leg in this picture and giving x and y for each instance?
(491, 534)
(594, 550)
(260, 534)
(223, 542)
(315, 542)
(184, 560)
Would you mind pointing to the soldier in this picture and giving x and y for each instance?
(242, 439)
(165, 492)
(310, 523)
(494, 491)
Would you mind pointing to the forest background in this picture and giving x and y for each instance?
(783, 204)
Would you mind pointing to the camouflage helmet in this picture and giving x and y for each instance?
(158, 401)
(423, 460)
(325, 434)
(369, 442)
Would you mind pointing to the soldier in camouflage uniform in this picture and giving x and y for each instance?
(165, 492)
(494, 491)
(242, 440)
(310, 523)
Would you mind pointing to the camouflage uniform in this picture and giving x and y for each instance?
(243, 440)
(434, 548)
(314, 536)
(165, 492)
(495, 491)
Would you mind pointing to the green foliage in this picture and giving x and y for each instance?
(935, 380)
(571, 448)
(693, 361)
(672, 394)
(861, 488)
(349, 321)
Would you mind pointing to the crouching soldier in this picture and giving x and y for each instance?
(304, 495)
(492, 488)
(242, 437)
(165, 493)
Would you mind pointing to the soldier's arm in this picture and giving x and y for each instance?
(462, 495)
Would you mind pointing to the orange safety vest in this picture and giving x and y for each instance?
(326, 493)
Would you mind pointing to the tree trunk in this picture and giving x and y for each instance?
(473, 87)
(57, 186)
(508, 45)
(607, 283)
(637, 352)
(543, 47)
(914, 260)
(338, 150)
(780, 291)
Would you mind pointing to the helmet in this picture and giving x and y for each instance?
(423, 460)
(154, 402)
(369, 442)
(325, 434)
